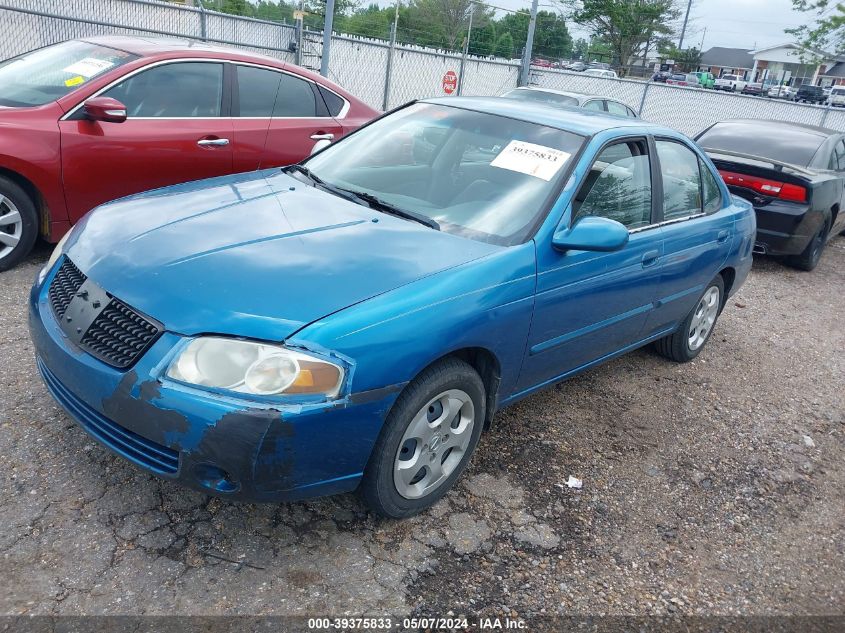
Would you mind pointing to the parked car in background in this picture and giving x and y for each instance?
(808, 93)
(598, 72)
(552, 97)
(87, 121)
(661, 76)
(837, 96)
(781, 92)
(753, 88)
(683, 79)
(705, 79)
(362, 328)
(542, 63)
(730, 83)
(598, 65)
(793, 174)
(577, 67)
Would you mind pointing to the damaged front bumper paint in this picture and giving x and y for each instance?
(219, 444)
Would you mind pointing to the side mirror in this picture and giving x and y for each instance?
(592, 233)
(105, 109)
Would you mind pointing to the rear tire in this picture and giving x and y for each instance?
(427, 440)
(692, 335)
(811, 256)
(18, 224)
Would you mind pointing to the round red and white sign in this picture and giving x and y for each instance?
(450, 82)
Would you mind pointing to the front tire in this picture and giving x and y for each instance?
(689, 339)
(427, 440)
(809, 259)
(18, 224)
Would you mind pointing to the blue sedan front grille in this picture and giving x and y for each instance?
(146, 453)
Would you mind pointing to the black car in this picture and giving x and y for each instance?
(810, 94)
(661, 76)
(793, 174)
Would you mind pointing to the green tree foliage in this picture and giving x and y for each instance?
(627, 26)
(686, 60)
(504, 46)
(825, 34)
(434, 23)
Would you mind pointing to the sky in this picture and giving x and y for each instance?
(732, 23)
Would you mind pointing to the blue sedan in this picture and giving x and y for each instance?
(355, 321)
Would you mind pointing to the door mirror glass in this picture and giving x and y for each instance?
(105, 109)
(592, 233)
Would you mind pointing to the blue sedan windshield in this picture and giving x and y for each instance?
(483, 176)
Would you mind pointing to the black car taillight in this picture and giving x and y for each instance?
(773, 188)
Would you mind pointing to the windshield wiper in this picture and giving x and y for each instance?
(373, 202)
(319, 182)
(385, 207)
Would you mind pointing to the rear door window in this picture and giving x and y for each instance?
(257, 89)
(295, 98)
(681, 180)
(595, 104)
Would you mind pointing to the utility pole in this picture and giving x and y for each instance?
(529, 45)
(327, 38)
(466, 50)
(703, 35)
(684, 28)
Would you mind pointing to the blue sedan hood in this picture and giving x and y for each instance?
(259, 254)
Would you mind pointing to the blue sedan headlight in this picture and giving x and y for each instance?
(254, 368)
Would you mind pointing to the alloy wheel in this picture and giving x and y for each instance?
(11, 226)
(704, 317)
(433, 444)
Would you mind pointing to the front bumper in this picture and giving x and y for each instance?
(251, 450)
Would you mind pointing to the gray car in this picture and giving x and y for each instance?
(571, 100)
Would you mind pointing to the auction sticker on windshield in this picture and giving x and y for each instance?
(528, 158)
(89, 67)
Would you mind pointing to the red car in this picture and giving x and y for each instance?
(87, 121)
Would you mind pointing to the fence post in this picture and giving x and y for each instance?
(388, 75)
(203, 23)
(824, 115)
(297, 34)
(327, 38)
(466, 50)
(642, 101)
(529, 45)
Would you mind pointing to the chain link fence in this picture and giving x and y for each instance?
(383, 74)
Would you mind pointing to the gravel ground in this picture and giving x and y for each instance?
(716, 487)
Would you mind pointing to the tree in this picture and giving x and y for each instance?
(687, 60)
(580, 48)
(449, 18)
(483, 41)
(551, 37)
(504, 46)
(627, 26)
(826, 33)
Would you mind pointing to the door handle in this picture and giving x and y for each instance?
(213, 142)
(722, 236)
(322, 137)
(650, 258)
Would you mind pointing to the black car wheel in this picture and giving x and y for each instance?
(427, 440)
(18, 223)
(689, 339)
(809, 259)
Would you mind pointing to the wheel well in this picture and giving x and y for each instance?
(37, 199)
(488, 367)
(728, 277)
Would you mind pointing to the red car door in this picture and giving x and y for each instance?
(300, 120)
(176, 131)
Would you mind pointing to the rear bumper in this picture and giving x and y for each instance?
(785, 229)
(218, 444)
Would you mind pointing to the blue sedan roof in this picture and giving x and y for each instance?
(577, 120)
